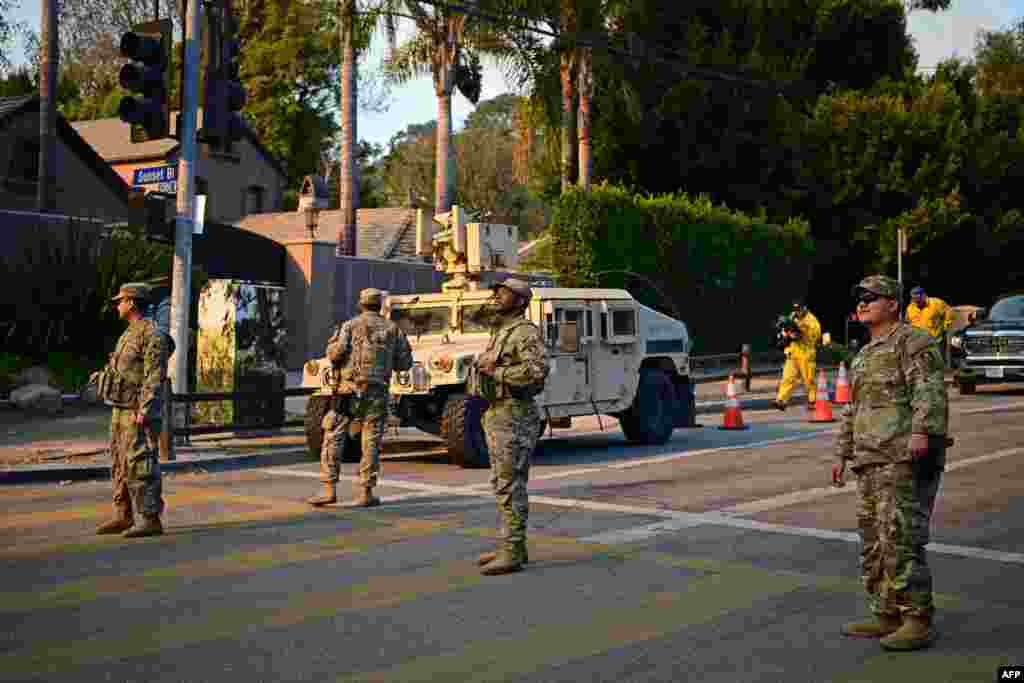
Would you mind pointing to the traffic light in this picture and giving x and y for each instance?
(148, 45)
(233, 93)
(225, 96)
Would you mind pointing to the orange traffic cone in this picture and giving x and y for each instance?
(842, 387)
(733, 417)
(822, 407)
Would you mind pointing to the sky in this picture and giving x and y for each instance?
(937, 36)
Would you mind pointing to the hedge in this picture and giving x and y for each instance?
(728, 274)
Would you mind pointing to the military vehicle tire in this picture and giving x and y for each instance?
(462, 431)
(316, 408)
(966, 388)
(649, 420)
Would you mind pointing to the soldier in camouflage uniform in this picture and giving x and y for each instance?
(512, 371)
(365, 350)
(893, 436)
(130, 383)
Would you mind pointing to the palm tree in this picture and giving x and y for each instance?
(48, 64)
(438, 49)
(355, 24)
(568, 73)
(348, 190)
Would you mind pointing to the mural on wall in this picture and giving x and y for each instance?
(242, 347)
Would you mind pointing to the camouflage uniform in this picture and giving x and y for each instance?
(512, 422)
(897, 388)
(140, 358)
(367, 348)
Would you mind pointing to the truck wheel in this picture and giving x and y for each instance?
(462, 431)
(316, 408)
(649, 420)
(966, 388)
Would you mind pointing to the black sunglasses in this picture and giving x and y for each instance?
(867, 297)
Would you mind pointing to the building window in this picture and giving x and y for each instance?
(23, 170)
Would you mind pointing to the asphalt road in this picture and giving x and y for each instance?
(721, 556)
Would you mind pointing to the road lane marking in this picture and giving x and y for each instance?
(660, 459)
(728, 517)
(754, 507)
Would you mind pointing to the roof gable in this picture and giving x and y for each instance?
(27, 104)
(112, 139)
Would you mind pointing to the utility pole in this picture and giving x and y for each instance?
(46, 181)
(181, 284)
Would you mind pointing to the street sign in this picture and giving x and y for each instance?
(155, 175)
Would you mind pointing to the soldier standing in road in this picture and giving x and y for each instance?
(365, 350)
(130, 383)
(801, 358)
(893, 435)
(513, 369)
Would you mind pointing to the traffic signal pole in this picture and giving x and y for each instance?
(181, 284)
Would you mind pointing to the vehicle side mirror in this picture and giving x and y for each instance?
(568, 337)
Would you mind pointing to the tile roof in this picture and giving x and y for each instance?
(386, 233)
(111, 138)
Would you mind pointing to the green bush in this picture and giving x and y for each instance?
(727, 274)
(57, 281)
(10, 365)
(70, 370)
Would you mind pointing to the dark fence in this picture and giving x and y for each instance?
(240, 397)
(228, 253)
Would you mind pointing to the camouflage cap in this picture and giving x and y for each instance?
(133, 290)
(371, 296)
(516, 285)
(882, 285)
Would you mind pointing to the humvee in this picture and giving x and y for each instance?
(608, 353)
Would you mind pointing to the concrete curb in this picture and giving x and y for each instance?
(290, 455)
(34, 474)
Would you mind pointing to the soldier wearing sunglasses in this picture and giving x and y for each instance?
(893, 437)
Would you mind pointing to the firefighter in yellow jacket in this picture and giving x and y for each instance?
(800, 357)
(929, 313)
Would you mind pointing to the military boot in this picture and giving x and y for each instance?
(328, 496)
(364, 499)
(882, 626)
(915, 633)
(489, 557)
(504, 562)
(122, 520)
(150, 526)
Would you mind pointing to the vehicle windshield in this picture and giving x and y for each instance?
(477, 318)
(1010, 308)
(416, 322)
